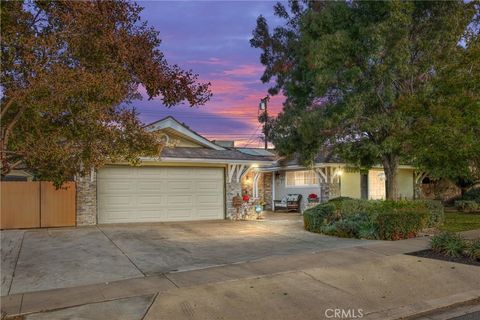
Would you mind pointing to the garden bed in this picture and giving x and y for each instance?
(430, 254)
(452, 247)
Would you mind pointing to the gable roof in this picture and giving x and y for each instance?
(172, 123)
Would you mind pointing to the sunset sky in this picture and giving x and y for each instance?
(212, 39)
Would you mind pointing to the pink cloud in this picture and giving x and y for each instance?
(227, 86)
(209, 61)
(245, 70)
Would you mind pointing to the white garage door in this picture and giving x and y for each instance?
(146, 194)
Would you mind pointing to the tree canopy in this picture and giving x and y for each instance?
(70, 73)
(376, 81)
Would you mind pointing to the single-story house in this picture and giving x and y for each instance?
(196, 179)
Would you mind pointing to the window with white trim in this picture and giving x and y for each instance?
(301, 178)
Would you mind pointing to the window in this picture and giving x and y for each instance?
(301, 178)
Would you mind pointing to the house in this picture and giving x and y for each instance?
(196, 179)
(329, 178)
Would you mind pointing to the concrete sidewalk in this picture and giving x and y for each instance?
(378, 279)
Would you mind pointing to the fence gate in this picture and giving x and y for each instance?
(36, 204)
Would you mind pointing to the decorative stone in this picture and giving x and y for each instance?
(86, 200)
(232, 189)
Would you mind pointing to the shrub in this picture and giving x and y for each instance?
(473, 250)
(317, 216)
(348, 207)
(472, 195)
(329, 229)
(401, 223)
(373, 219)
(448, 243)
(467, 205)
(436, 212)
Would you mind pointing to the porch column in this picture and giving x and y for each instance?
(328, 187)
(322, 177)
(255, 184)
(233, 186)
(418, 177)
(267, 188)
(273, 191)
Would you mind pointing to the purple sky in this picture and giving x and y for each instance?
(212, 39)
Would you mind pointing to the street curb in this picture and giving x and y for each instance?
(413, 311)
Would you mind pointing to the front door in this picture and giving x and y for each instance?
(364, 185)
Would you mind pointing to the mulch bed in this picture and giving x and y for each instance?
(430, 254)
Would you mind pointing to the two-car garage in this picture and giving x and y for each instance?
(156, 194)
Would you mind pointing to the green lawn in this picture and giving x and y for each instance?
(457, 221)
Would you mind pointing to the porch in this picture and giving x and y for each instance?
(325, 181)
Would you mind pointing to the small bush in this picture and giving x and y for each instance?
(473, 250)
(448, 243)
(436, 212)
(472, 195)
(467, 206)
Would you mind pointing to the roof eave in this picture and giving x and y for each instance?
(205, 160)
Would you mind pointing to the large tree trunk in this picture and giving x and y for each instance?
(390, 166)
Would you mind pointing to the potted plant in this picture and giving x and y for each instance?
(259, 205)
(313, 198)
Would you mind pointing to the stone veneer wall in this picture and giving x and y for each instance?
(265, 189)
(86, 200)
(232, 189)
(264, 186)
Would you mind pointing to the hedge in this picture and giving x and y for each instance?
(401, 224)
(467, 206)
(470, 201)
(373, 219)
(472, 195)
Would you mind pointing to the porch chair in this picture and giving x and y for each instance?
(290, 203)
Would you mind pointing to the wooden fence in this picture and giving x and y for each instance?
(36, 204)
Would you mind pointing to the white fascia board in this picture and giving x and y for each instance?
(324, 165)
(171, 123)
(202, 160)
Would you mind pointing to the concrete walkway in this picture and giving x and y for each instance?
(376, 280)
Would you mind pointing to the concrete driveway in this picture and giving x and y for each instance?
(42, 259)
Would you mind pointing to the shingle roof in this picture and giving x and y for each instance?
(204, 153)
(321, 157)
(257, 152)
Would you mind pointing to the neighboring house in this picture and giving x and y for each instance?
(21, 174)
(196, 179)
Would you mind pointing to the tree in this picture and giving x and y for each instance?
(350, 70)
(70, 71)
(445, 136)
